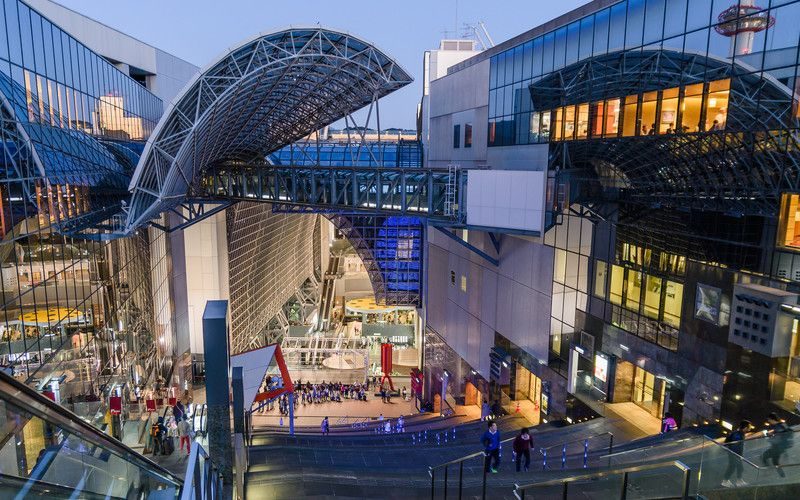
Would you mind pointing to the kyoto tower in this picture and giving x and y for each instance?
(741, 23)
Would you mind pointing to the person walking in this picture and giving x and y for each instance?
(491, 444)
(383, 394)
(325, 426)
(183, 434)
(157, 431)
(485, 410)
(735, 443)
(668, 423)
(779, 436)
(522, 447)
(400, 424)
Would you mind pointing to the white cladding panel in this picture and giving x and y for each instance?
(508, 199)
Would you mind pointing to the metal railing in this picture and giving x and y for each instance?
(583, 452)
(460, 462)
(564, 483)
(203, 480)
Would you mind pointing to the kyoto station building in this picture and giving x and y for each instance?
(577, 275)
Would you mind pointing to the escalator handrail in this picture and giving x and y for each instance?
(36, 404)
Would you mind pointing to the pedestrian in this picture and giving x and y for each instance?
(325, 426)
(522, 447)
(387, 427)
(491, 443)
(779, 436)
(668, 424)
(183, 434)
(405, 394)
(157, 431)
(380, 417)
(383, 394)
(735, 443)
(485, 410)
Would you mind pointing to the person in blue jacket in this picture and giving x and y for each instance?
(491, 443)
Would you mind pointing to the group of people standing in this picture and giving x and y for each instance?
(163, 430)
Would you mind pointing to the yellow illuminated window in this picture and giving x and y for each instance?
(617, 279)
(652, 296)
(612, 117)
(569, 122)
(649, 104)
(583, 121)
(600, 272)
(691, 108)
(790, 221)
(669, 111)
(717, 104)
(598, 117)
(634, 291)
(673, 299)
(557, 125)
(629, 116)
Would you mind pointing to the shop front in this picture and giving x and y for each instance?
(527, 395)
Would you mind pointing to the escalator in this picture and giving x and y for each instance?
(328, 289)
(46, 450)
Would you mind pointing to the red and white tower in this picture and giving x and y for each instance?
(741, 23)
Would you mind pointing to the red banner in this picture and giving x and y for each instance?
(173, 401)
(150, 404)
(115, 405)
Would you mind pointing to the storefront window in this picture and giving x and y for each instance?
(691, 108)
(652, 296)
(583, 121)
(569, 122)
(629, 117)
(649, 104)
(673, 300)
(717, 105)
(617, 280)
(669, 111)
(600, 272)
(789, 235)
(634, 291)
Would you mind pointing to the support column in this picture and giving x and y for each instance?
(217, 360)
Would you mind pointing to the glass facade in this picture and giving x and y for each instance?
(688, 27)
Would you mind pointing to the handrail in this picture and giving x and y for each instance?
(460, 462)
(466, 457)
(654, 445)
(49, 411)
(585, 441)
(560, 445)
(749, 462)
(202, 480)
(519, 491)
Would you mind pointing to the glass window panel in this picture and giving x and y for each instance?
(784, 33)
(533, 127)
(669, 111)
(518, 97)
(717, 105)
(629, 125)
(673, 301)
(587, 35)
(537, 56)
(719, 45)
(560, 270)
(674, 44)
(527, 60)
(521, 123)
(635, 25)
(525, 96)
(674, 17)
(582, 128)
(691, 108)
(633, 293)
(649, 104)
(25, 34)
(509, 76)
(598, 118)
(492, 103)
(611, 126)
(50, 54)
(652, 296)
(501, 69)
(569, 122)
(653, 20)
(508, 105)
(38, 44)
(600, 272)
(616, 32)
(573, 42)
(560, 48)
(547, 55)
(13, 27)
(3, 33)
(697, 42)
(700, 15)
(545, 128)
(601, 32)
(518, 52)
(558, 123)
(493, 73)
(617, 281)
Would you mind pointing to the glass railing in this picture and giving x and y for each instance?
(662, 480)
(45, 448)
(576, 453)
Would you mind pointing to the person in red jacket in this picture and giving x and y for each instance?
(522, 447)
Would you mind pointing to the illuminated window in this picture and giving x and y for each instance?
(629, 116)
(611, 117)
(717, 104)
(691, 108)
(649, 104)
(634, 291)
(598, 117)
(545, 130)
(673, 299)
(463, 283)
(669, 111)
(600, 272)
(652, 296)
(617, 280)
(557, 125)
(569, 122)
(583, 121)
(535, 129)
(789, 233)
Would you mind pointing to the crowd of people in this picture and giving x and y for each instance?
(174, 424)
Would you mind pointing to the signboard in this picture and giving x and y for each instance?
(115, 405)
(601, 368)
(150, 405)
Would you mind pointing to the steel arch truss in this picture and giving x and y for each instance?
(261, 96)
(739, 171)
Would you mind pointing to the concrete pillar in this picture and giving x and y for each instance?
(217, 360)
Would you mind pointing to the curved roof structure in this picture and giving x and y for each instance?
(260, 96)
